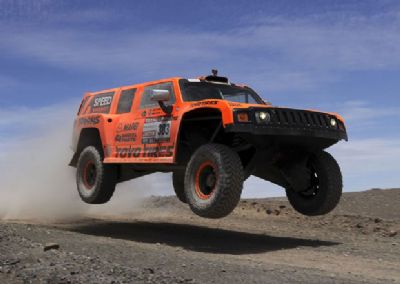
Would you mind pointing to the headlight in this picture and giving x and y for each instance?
(333, 122)
(263, 117)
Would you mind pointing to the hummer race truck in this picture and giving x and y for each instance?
(212, 135)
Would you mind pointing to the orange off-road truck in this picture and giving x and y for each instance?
(212, 135)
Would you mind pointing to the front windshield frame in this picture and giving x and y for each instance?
(184, 83)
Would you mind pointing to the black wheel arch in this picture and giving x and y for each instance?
(87, 137)
(204, 125)
(191, 134)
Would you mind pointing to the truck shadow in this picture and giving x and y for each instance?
(196, 238)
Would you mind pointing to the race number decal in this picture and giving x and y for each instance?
(156, 131)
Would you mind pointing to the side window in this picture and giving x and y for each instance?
(146, 96)
(125, 100)
(101, 103)
(80, 111)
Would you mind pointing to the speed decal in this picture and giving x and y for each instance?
(156, 130)
(101, 103)
(104, 101)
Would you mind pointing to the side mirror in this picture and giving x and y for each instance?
(160, 95)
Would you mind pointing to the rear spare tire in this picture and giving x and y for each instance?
(213, 181)
(325, 189)
(95, 181)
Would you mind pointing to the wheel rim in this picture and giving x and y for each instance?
(206, 180)
(313, 189)
(89, 175)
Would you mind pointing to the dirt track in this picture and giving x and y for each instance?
(263, 241)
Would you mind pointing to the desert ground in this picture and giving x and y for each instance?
(262, 241)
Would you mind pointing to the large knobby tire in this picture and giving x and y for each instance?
(95, 180)
(325, 190)
(213, 181)
(178, 181)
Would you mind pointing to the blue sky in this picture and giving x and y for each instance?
(341, 56)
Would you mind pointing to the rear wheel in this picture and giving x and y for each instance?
(214, 181)
(325, 188)
(95, 181)
(178, 181)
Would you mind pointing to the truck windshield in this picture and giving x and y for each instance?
(197, 91)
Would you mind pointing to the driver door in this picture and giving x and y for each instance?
(158, 128)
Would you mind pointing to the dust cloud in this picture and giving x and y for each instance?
(36, 182)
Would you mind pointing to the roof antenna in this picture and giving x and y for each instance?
(214, 72)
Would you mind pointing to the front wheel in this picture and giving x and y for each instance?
(213, 181)
(95, 181)
(325, 189)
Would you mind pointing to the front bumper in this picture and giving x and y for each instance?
(291, 122)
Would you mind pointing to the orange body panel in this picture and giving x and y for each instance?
(123, 135)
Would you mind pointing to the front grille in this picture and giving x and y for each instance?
(300, 118)
(290, 122)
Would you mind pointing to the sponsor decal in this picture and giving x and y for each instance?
(158, 151)
(91, 120)
(125, 137)
(155, 111)
(101, 103)
(235, 104)
(204, 103)
(156, 119)
(127, 126)
(154, 140)
(145, 152)
(151, 133)
(101, 110)
(128, 152)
